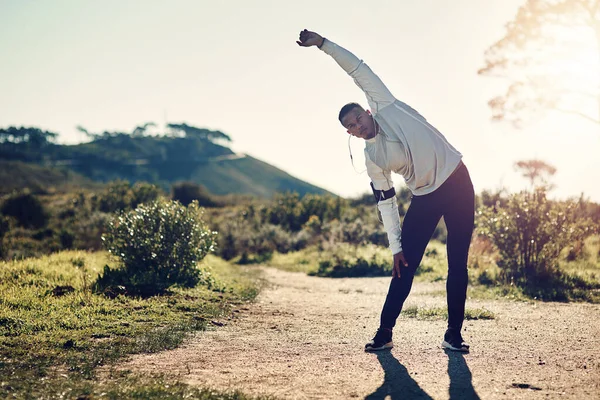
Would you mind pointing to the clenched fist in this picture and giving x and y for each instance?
(308, 38)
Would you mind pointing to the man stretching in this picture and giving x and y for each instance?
(399, 139)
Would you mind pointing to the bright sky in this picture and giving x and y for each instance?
(234, 66)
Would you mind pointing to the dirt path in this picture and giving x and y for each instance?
(304, 339)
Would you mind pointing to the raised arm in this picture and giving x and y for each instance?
(378, 95)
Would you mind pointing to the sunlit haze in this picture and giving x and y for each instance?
(234, 66)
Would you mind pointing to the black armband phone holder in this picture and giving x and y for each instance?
(383, 194)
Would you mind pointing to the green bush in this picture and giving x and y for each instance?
(345, 260)
(339, 267)
(144, 192)
(159, 244)
(291, 212)
(115, 197)
(27, 209)
(186, 192)
(530, 233)
(120, 195)
(255, 244)
(356, 232)
(88, 232)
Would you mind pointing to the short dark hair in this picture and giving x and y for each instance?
(346, 109)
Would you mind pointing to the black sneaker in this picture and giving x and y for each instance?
(381, 341)
(453, 341)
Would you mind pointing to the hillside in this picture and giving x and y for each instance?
(15, 175)
(184, 154)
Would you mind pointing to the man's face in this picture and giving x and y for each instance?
(359, 123)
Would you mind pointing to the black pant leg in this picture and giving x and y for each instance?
(417, 228)
(459, 216)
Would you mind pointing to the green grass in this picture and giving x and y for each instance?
(588, 266)
(309, 260)
(41, 333)
(125, 385)
(580, 279)
(345, 256)
(434, 313)
(306, 260)
(498, 292)
(434, 266)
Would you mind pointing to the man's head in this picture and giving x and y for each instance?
(357, 121)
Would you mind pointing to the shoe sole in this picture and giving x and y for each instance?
(446, 345)
(386, 346)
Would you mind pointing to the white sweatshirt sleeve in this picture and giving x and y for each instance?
(382, 180)
(378, 95)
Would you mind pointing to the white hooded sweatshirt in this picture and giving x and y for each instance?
(406, 143)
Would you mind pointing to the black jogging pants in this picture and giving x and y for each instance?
(455, 201)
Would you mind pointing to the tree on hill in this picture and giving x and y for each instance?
(91, 135)
(24, 143)
(201, 133)
(142, 129)
(176, 130)
(33, 137)
(550, 54)
(195, 154)
(104, 135)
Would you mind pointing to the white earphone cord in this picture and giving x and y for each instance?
(352, 159)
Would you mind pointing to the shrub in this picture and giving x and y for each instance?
(186, 192)
(253, 244)
(27, 209)
(339, 267)
(530, 233)
(120, 195)
(303, 239)
(356, 232)
(88, 231)
(287, 210)
(481, 252)
(344, 260)
(291, 212)
(159, 244)
(144, 192)
(117, 196)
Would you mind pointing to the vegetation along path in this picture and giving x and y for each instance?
(304, 338)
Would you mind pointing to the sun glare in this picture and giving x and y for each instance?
(572, 64)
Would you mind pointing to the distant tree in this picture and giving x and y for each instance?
(537, 171)
(201, 133)
(92, 136)
(25, 143)
(104, 135)
(550, 54)
(32, 137)
(141, 130)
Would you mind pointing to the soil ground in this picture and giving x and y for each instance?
(304, 339)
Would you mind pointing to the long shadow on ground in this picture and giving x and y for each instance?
(397, 383)
(461, 384)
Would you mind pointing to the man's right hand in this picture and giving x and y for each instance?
(308, 38)
(399, 260)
